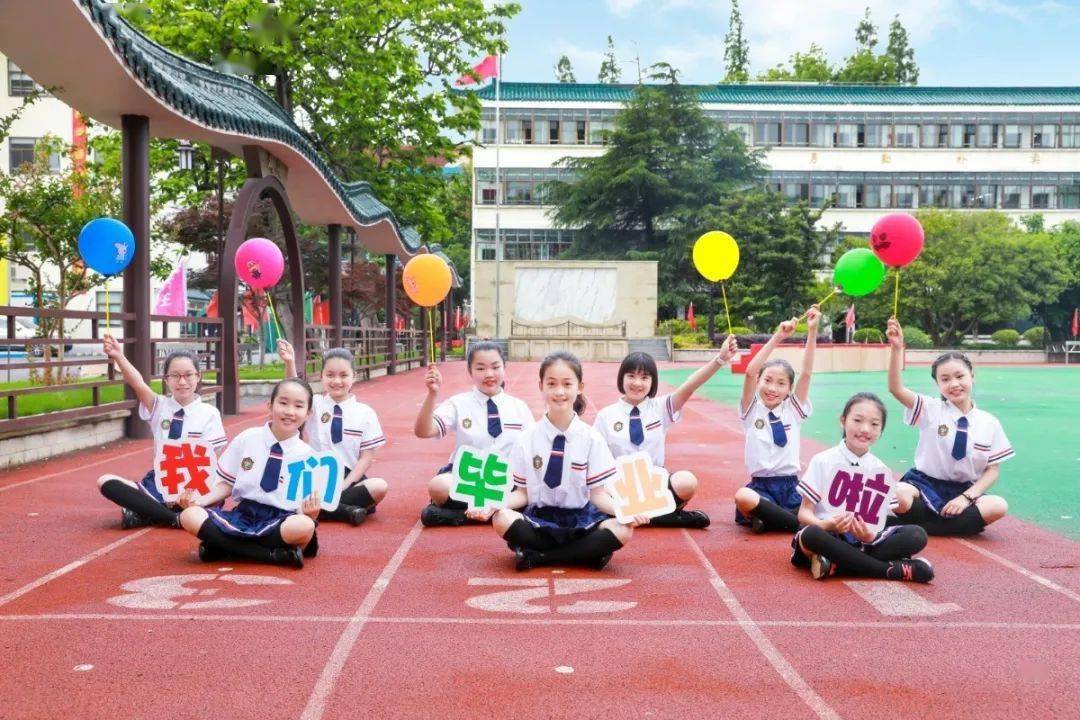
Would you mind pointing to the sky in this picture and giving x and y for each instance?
(957, 42)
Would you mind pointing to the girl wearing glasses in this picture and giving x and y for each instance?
(180, 415)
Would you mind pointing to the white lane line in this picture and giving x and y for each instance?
(784, 668)
(1045, 582)
(336, 663)
(74, 565)
(403, 620)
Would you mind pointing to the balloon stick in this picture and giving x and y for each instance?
(727, 313)
(896, 293)
(821, 302)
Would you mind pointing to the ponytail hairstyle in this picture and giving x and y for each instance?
(865, 397)
(783, 365)
(574, 364)
(295, 381)
(483, 346)
(338, 354)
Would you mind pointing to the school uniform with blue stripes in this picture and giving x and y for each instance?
(255, 465)
(954, 449)
(772, 451)
(558, 469)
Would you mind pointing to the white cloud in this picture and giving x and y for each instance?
(1022, 12)
(586, 63)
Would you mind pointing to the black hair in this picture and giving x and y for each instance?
(338, 354)
(295, 381)
(176, 355)
(484, 346)
(639, 362)
(946, 357)
(783, 365)
(570, 359)
(865, 397)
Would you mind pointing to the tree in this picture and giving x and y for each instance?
(379, 106)
(663, 155)
(977, 271)
(609, 68)
(44, 211)
(736, 48)
(810, 66)
(866, 33)
(866, 67)
(564, 71)
(1056, 315)
(902, 54)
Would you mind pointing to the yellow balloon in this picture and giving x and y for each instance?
(716, 255)
(426, 279)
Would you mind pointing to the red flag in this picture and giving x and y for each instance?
(486, 68)
(211, 308)
(849, 319)
(1076, 322)
(324, 311)
(690, 316)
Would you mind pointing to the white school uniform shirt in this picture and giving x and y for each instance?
(936, 420)
(587, 463)
(657, 415)
(823, 469)
(764, 458)
(242, 464)
(360, 429)
(466, 415)
(202, 421)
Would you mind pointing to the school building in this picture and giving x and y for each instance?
(870, 149)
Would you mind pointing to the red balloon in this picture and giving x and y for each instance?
(897, 239)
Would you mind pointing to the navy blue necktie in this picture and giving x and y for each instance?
(779, 436)
(959, 446)
(272, 470)
(494, 424)
(637, 434)
(553, 474)
(176, 426)
(336, 433)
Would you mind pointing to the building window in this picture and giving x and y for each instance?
(873, 135)
(744, 130)
(877, 196)
(1042, 197)
(986, 196)
(1013, 136)
(19, 83)
(845, 196)
(20, 152)
(963, 136)
(115, 305)
(1011, 197)
(767, 133)
(487, 253)
(963, 196)
(846, 135)
(1044, 136)
(512, 130)
(904, 196)
(820, 193)
(797, 134)
(1070, 136)
(934, 196)
(795, 192)
(1069, 197)
(822, 134)
(904, 136)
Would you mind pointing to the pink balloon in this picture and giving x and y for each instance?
(259, 263)
(897, 239)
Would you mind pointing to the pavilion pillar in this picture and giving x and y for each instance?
(391, 315)
(334, 282)
(135, 188)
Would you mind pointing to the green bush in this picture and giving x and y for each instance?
(690, 340)
(915, 338)
(868, 335)
(673, 327)
(1006, 337)
(1036, 336)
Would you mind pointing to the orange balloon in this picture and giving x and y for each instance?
(427, 279)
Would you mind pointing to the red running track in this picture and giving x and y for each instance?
(397, 621)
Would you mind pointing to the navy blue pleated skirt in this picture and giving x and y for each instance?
(248, 519)
(779, 490)
(564, 525)
(935, 493)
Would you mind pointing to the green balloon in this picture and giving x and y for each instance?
(858, 272)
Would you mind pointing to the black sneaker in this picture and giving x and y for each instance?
(821, 567)
(433, 516)
(682, 519)
(601, 562)
(210, 553)
(312, 548)
(914, 570)
(290, 556)
(526, 559)
(757, 526)
(371, 509)
(357, 515)
(130, 519)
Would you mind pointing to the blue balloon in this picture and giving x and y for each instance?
(107, 245)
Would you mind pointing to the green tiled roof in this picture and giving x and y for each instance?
(230, 104)
(795, 94)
